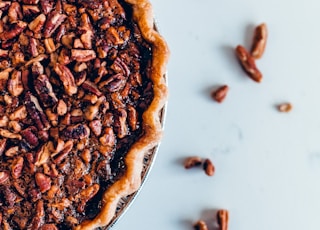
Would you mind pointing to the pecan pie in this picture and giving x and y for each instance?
(81, 87)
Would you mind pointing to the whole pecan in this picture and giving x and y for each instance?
(54, 20)
(285, 107)
(67, 78)
(15, 29)
(37, 24)
(248, 64)
(220, 94)
(208, 167)
(191, 162)
(259, 41)
(113, 83)
(15, 86)
(43, 88)
(200, 225)
(82, 55)
(223, 219)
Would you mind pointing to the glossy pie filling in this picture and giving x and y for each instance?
(74, 82)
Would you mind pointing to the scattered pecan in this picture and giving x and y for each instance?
(223, 219)
(67, 78)
(191, 162)
(61, 108)
(248, 64)
(208, 167)
(200, 225)
(220, 94)
(43, 182)
(54, 20)
(285, 107)
(259, 41)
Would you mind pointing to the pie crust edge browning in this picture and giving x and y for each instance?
(131, 180)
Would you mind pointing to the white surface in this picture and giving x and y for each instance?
(267, 163)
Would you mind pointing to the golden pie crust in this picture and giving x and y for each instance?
(131, 180)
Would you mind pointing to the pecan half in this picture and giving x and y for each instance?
(132, 118)
(285, 107)
(15, 29)
(67, 78)
(208, 167)
(191, 162)
(15, 86)
(248, 64)
(200, 225)
(16, 168)
(79, 131)
(43, 182)
(3, 143)
(7, 134)
(30, 136)
(91, 87)
(120, 123)
(82, 55)
(259, 41)
(14, 12)
(19, 114)
(43, 88)
(36, 113)
(96, 127)
(4, 176)
(223, 219)
(61, 108)
(29, 10)
(220, 94)
(86, 37)
(114, 83)
(37, 24)
(87, 195)
(54, 20)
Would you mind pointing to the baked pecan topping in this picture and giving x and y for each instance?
(73, 86)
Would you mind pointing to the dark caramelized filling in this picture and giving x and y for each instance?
(74, 82)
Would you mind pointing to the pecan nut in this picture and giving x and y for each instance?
(285, 107)
(191, 162)
(200, 225)
(67, 78)
(208, 167)
(43, 182)
(223, 219)
(220, 94)
(248, 64)
(259, 41)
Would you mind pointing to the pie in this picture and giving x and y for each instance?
(81, 89)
